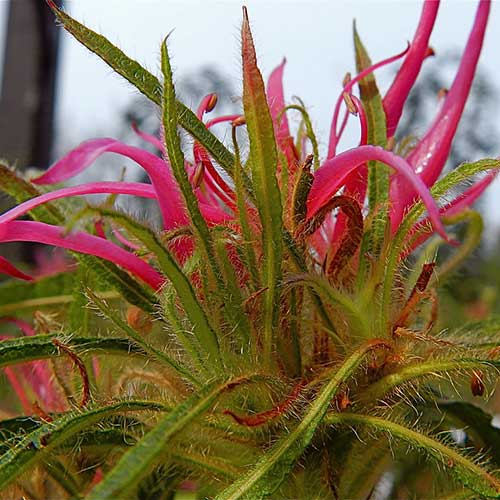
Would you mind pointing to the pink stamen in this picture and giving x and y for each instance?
(222, 119)
(334, 138)
(151, 139)
(207, 104)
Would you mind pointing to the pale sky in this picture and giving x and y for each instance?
(314, 35)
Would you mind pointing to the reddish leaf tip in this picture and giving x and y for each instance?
(245, 13)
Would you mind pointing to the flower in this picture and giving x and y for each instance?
(344, 172)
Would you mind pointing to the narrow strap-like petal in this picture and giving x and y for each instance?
(403, 82)
(430, 155)
(151, 139)
(39, 232)
(459, 204)
(11, 270)
(276, 100)
(158, 170)
(130, 188)
(332, 175)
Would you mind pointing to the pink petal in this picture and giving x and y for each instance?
(158, 170)
(81, 242)
(332, 175)
(459, 204)
(151, 139)
(276, 101)
(398, 92)
(24, 326)
(130, 188)
(11, 270)
(429, 157)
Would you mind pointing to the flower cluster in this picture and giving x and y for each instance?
(346, 172)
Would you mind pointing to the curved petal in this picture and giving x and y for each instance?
(332, 175)
(81, 242)
(130, 188)
(11, 270)
(403, 82)
(151, 139)
(460, 203)
(158, 170)
(429, 157)
(276, 101)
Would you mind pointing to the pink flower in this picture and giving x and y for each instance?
(346, 172)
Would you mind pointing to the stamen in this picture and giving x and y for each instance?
(334, 137)
(349, 104)
(363, 122)
(222, 119)
(442, 94)
(198, 174)
(207, 104)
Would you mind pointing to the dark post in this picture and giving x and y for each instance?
(28, 86)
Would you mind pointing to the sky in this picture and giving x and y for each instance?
(314, 35)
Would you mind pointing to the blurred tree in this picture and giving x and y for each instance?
(191, 88)
(28, 86)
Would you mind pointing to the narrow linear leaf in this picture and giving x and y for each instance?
(462, 468)
(264, 164)
(138, 339)
(378, 173)
(138, 461)
(384, 385)
(176, 156)
(206, 336)
(24, 349)
(34, 447)
(146, 83)
(272, 469)
(243, 215)
(478, 425)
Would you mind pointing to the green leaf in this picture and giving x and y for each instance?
(176, 157)
(249, 236)
(462, 174)
(271, 470)
(362, 467)
(264, 164)
(146, 83)
(359, 326)
(462, 468)
(434, 367)
(23, 349)
(204, 332)
(378, 173)
(140, 459)
(138, 339)
(16, 296)
(34, 447)
(477, 424)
